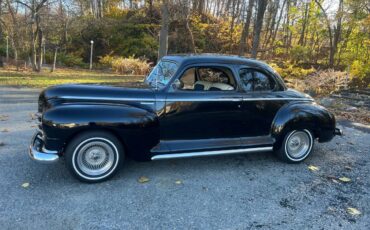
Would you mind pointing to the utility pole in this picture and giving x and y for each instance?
(91, 53)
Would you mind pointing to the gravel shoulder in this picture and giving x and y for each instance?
(250, 191)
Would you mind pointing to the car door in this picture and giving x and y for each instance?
(260, 101)
(197, 117)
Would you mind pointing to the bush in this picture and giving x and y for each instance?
(129, 65)
(287, 70)
(360, 74)
(300, 54)
(70, 60)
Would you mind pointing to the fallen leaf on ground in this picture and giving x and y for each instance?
(313, 168)
(344, 179)
(353, 211)
(33, 116)
(3, 118)
(143, 179)
(335, 181)
(347, 167)
(332, 178)
(5, 130)
(25, 185)
(178, 182)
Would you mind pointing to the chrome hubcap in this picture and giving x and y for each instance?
(95, 158)
(298, 144)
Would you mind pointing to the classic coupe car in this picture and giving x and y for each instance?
(189, 105)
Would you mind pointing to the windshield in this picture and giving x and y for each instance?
(161, 74)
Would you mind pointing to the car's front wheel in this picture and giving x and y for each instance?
(94, 156)
(297, 146)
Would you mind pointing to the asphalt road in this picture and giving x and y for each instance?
(251, 191)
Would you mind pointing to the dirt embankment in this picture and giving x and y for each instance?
(333, 90)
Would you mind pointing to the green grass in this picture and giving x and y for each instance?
(10, 77)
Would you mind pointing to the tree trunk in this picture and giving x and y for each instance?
(163, 34)
(190, 34)
(245, 32)
(39, 45)
(14, 38)
(337, 30)
(305, 21)
(278, 23)
(55, 59)
(258, 26)
(332, 51)
(270, 29)
(33, 48)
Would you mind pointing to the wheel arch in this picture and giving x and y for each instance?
(302, 115)
(93, 129)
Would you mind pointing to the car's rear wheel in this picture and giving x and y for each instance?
(94, 156)
(297, 146)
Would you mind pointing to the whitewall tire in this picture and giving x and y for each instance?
(94, 156)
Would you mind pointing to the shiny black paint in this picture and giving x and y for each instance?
(304, 115)
(151, 122)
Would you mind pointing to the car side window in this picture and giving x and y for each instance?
(207, 79)
(254, 80)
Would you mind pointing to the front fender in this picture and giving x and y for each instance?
(303, 115)
(136, 127)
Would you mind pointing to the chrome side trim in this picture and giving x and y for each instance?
(210, 153)
(143, 100)
(278, 99)
(107, 98)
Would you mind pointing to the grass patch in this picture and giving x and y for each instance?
(10, 77)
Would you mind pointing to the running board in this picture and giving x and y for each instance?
(209, 153)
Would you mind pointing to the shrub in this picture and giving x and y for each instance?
(300, 54)
(287, 70)
(129, 65)
(70, 60)
(360, 74)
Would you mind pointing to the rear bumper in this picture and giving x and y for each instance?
(338, 132)
(38, 152)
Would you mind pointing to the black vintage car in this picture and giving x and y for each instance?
(189, 105)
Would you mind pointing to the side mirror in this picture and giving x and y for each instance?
(177, 84)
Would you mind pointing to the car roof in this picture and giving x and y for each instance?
(215, 58)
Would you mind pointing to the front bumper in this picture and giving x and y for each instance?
(38, 153)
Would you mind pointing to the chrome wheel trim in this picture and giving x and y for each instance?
(95, 158)
(298, 145)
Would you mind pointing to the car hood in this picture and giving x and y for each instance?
(134, 92)
(77, 91)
